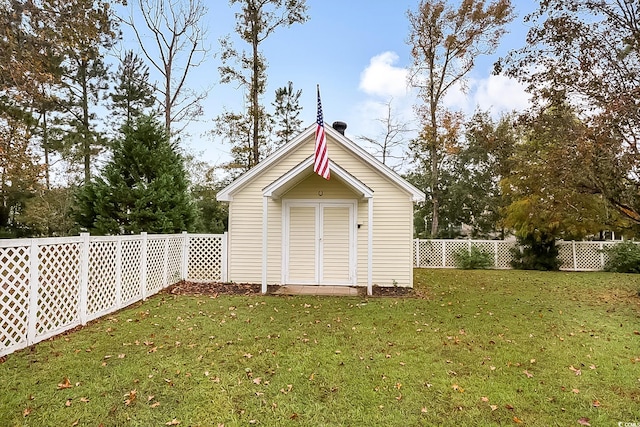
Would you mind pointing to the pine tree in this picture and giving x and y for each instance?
(143, 188)
(133, 95)
(287, 113)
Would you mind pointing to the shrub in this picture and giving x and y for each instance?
(473, 258)
(623, 258)
(536, 252)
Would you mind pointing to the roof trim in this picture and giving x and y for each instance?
(226, 194)
(304, 169)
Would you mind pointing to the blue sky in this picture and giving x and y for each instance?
(356, 51)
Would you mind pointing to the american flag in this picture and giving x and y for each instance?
(321, 166)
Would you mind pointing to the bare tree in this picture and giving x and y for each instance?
(177, 46)
(392, 138)
(445, 43)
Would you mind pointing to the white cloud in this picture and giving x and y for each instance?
(382, 78)
(501, 94)
(496, 94)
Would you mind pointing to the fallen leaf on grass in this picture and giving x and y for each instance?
(84, 399)
(484, 398)
(584, 421)
(527, 373)
(26, 412)
(67, 403)
(493, 407)
(596, 404)
(65, 384)
(423, 410)
(517, 420)
(173, 422)
(155, 405)
(575, 390)
(131, 397)
(575, 371)
(75, 423)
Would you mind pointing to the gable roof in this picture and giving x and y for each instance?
(226, 194)
(305, 168)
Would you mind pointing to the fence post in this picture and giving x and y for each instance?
(84, 278)
(495, 254)
(185, 256)
(33, 291)
(143, 265)
(118, 271)
(416, 248)
(225, 258)
(444, 253)
(601, 246)
(575, 261)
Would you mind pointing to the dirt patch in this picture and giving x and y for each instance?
(213, 288)
(218, 288)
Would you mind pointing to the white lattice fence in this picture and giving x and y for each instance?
(574, 256)
(131, 269)
(103, 292)
(48, 286)
(440, 253)
(207, 259)
(58, 288)
(14, 295)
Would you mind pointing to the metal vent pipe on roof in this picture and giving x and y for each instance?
(339, 126)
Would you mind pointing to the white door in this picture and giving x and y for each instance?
(319, 243)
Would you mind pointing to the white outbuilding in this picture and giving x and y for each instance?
(290, 226)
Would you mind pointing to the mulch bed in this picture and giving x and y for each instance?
(216, 288)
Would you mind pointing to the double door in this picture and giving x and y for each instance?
(319, 243)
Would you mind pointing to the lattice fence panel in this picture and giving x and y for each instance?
(155, 265)
(453, 246)
(588, 256)
(131, 258)
(14, 296)
(59, 280)
(486, 246)
(205, 257)
(101, 290)
(504, 254)
(434, 250)
(605, 255)
(425, 253)
(174, 260)
(565, 255)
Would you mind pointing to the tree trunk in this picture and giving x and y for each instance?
(167, 97)
(433, 155)
(45, 147)
(86, 140)
(254, 100)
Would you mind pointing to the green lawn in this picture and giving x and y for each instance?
(478, 348)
